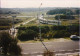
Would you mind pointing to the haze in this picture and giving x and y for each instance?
(36, 3)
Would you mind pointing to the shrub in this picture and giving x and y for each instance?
(50, 35)
(48, 53)
(34, 28)
(58, 28)
(44, 29)
(61, 34)
(27, 35)
(9, 45)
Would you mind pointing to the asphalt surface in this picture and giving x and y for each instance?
(26, 22)
(56, 46)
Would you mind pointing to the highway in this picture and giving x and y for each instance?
(23, 23)
(16, 30)
(53, 45)
(28, 21)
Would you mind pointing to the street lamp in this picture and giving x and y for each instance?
(40, 29)
(39, 23)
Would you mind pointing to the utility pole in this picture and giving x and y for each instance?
(40, 29)
(39, 22)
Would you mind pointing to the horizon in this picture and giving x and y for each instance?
(41, 7)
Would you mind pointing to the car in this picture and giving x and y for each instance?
(74, 37)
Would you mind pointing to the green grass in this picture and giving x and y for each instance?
(68, 22)
(24, 20)
(45, 40)
(67, 38)
(50, 18)
(33, 41)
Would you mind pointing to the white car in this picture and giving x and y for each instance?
(74, 37)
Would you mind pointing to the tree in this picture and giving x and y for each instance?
(59, 11)
(64, 17)
(61, 34)
(44, 29)
(27, 35)
(34, 28)
(9, 45)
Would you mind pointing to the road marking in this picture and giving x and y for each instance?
(34, 52)
(54, 51)
(26, 43)
(77, 49)
(60, 54)
(77, 52)
(70, 50)
(68, 53)
(39, 55)
(25, 53)
(62, 50)
(41, 52)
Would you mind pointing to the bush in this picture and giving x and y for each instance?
(5, 27)
(61, 34)
(34, 28)
(9, 45)
(55, 28)
(50, 35)
(48, 53)
(44, 29)
(27, 35)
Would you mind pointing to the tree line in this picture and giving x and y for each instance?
(72, 11)
(47, 32)
(6, 23)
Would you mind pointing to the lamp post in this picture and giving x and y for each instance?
(40, 29)
(39, 23)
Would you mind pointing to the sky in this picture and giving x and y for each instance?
(36, 3)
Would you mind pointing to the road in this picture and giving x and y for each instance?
(56, 46)
(26, 22)
(12, 30)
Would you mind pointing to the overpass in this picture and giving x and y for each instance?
(45, 21)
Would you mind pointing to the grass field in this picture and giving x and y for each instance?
(35, 22)
(46, 40)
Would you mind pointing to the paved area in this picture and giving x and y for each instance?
(58, 54)
(67, 46)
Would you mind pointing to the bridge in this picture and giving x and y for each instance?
(45, 21)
